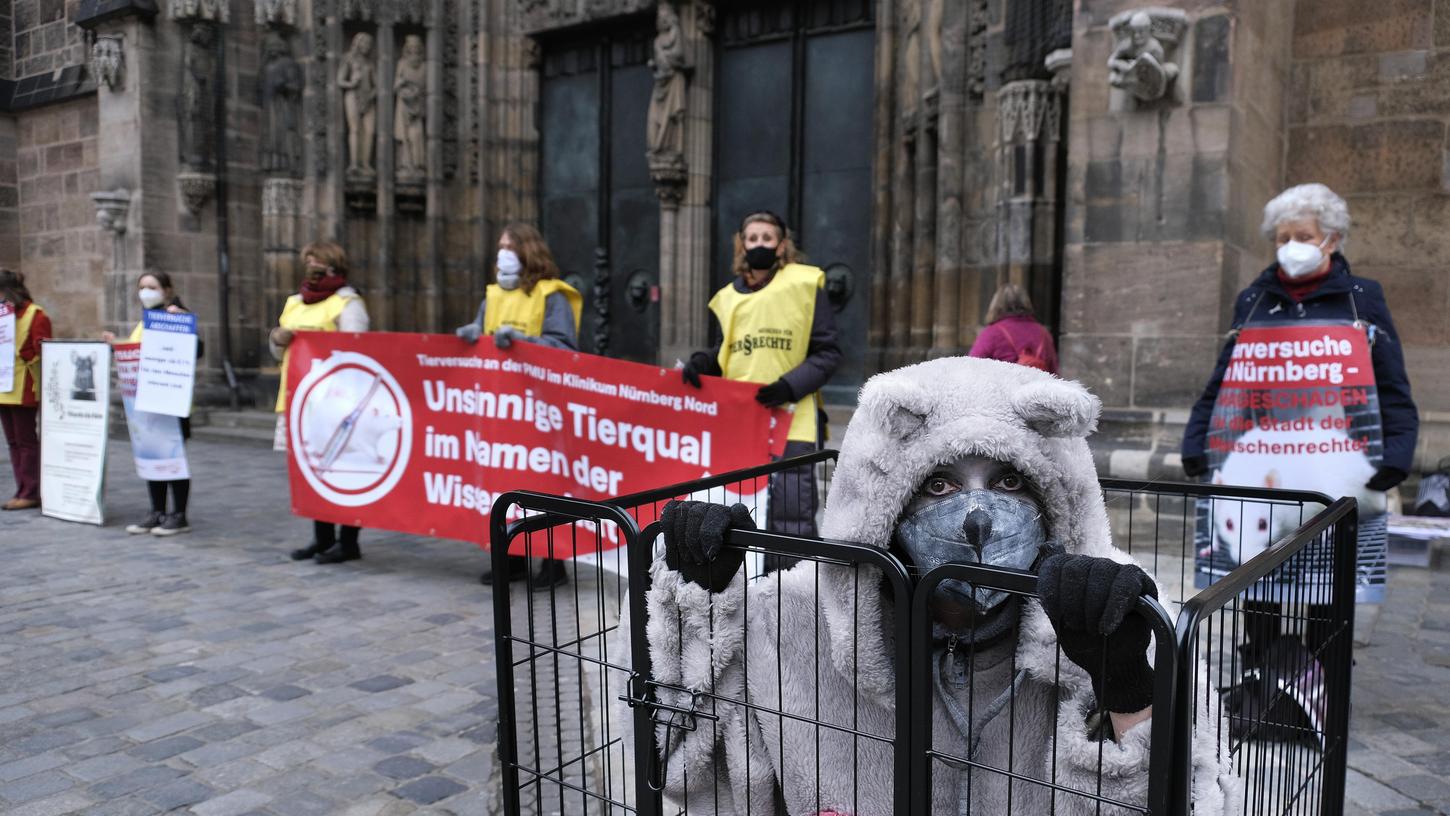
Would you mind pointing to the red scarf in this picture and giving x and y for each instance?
(323, 288)
(1300, 288)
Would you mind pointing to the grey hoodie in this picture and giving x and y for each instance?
(816, 641)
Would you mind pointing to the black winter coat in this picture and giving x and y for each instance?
(1338, 298)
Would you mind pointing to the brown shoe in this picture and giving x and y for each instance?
(20, 504)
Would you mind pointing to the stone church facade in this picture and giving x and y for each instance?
(1113, 156)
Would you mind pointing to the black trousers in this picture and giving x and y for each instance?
(793, 503)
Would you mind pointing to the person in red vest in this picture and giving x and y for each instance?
(1013, 333)
(20, 406)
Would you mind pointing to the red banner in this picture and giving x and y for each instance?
(421, 433)
(1320, 356)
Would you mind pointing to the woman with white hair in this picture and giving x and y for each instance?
(1311, 281)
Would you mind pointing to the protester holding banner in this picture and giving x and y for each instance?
(527, 302)
(1013, 333)
(325, 302)
(155, 291)
(777, 329)
(19, 403)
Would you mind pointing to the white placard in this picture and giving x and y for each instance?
(167, 374)
(156, 442)
(7, 347)
(75, 401)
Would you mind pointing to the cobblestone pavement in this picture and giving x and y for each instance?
(207, 671)
(1400, 728)
(209, 674)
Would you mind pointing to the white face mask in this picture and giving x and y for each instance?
(509, 268)
(1298, 259)
(150, 298)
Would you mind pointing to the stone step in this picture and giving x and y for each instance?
(249, 427)
(265, 420)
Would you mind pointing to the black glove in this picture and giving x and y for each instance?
(1385, 478)
(777, 393)
(694, 534)
(700, 363)
(1195, 466)
(1090, 603)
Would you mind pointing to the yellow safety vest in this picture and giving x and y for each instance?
(16, 394)
(299, 316)
(766, 334)
(525, 310)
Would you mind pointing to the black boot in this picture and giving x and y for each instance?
(551, 573)
(346, 549)
(304, 553)
(324, 537)
(517, 569)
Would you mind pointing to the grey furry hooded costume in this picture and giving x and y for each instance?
(815, 641)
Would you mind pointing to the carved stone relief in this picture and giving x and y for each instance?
(358, 80)
(276, 13)
(282, 197)
(977, 20)
(357, 10)
(217, 11)
(541, 15)
(112, 207)
(196, 189)
(1029, 110)
(1143, 64)
(410, 111)
(108, 62)
(320, 75)
(665, 136)
(282, 101)
(196, 103)
(452, 69)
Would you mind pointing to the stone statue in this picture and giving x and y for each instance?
(666, 125)
(359, 84)
(197, 110)
(410, 111)
(1139, 65)
(282, 100)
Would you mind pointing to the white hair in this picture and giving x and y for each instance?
(1308, 201)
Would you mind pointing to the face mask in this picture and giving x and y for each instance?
(509, 268)
(760, 258)
(1006, 533)
(150, 298)
(1298, 259)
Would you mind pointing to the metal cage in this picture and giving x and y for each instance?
(1257, 663)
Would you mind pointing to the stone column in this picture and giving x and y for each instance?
(283, 234)
(951, 145)
(879, 332)
(685, 212)
(906, 146)
(430, 316)
(130, 59)
(382, 277)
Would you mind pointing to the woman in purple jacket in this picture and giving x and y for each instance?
(1013, 334)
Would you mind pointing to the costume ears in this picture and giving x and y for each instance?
(1059, 408)
(902, 406)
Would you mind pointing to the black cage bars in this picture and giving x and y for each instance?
(571, 695)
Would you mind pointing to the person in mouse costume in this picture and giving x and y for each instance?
(955, 459)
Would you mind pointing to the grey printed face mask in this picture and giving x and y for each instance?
(978, 527)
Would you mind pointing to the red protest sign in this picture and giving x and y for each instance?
(421, 433)
(1323, 356)
(128, 362)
